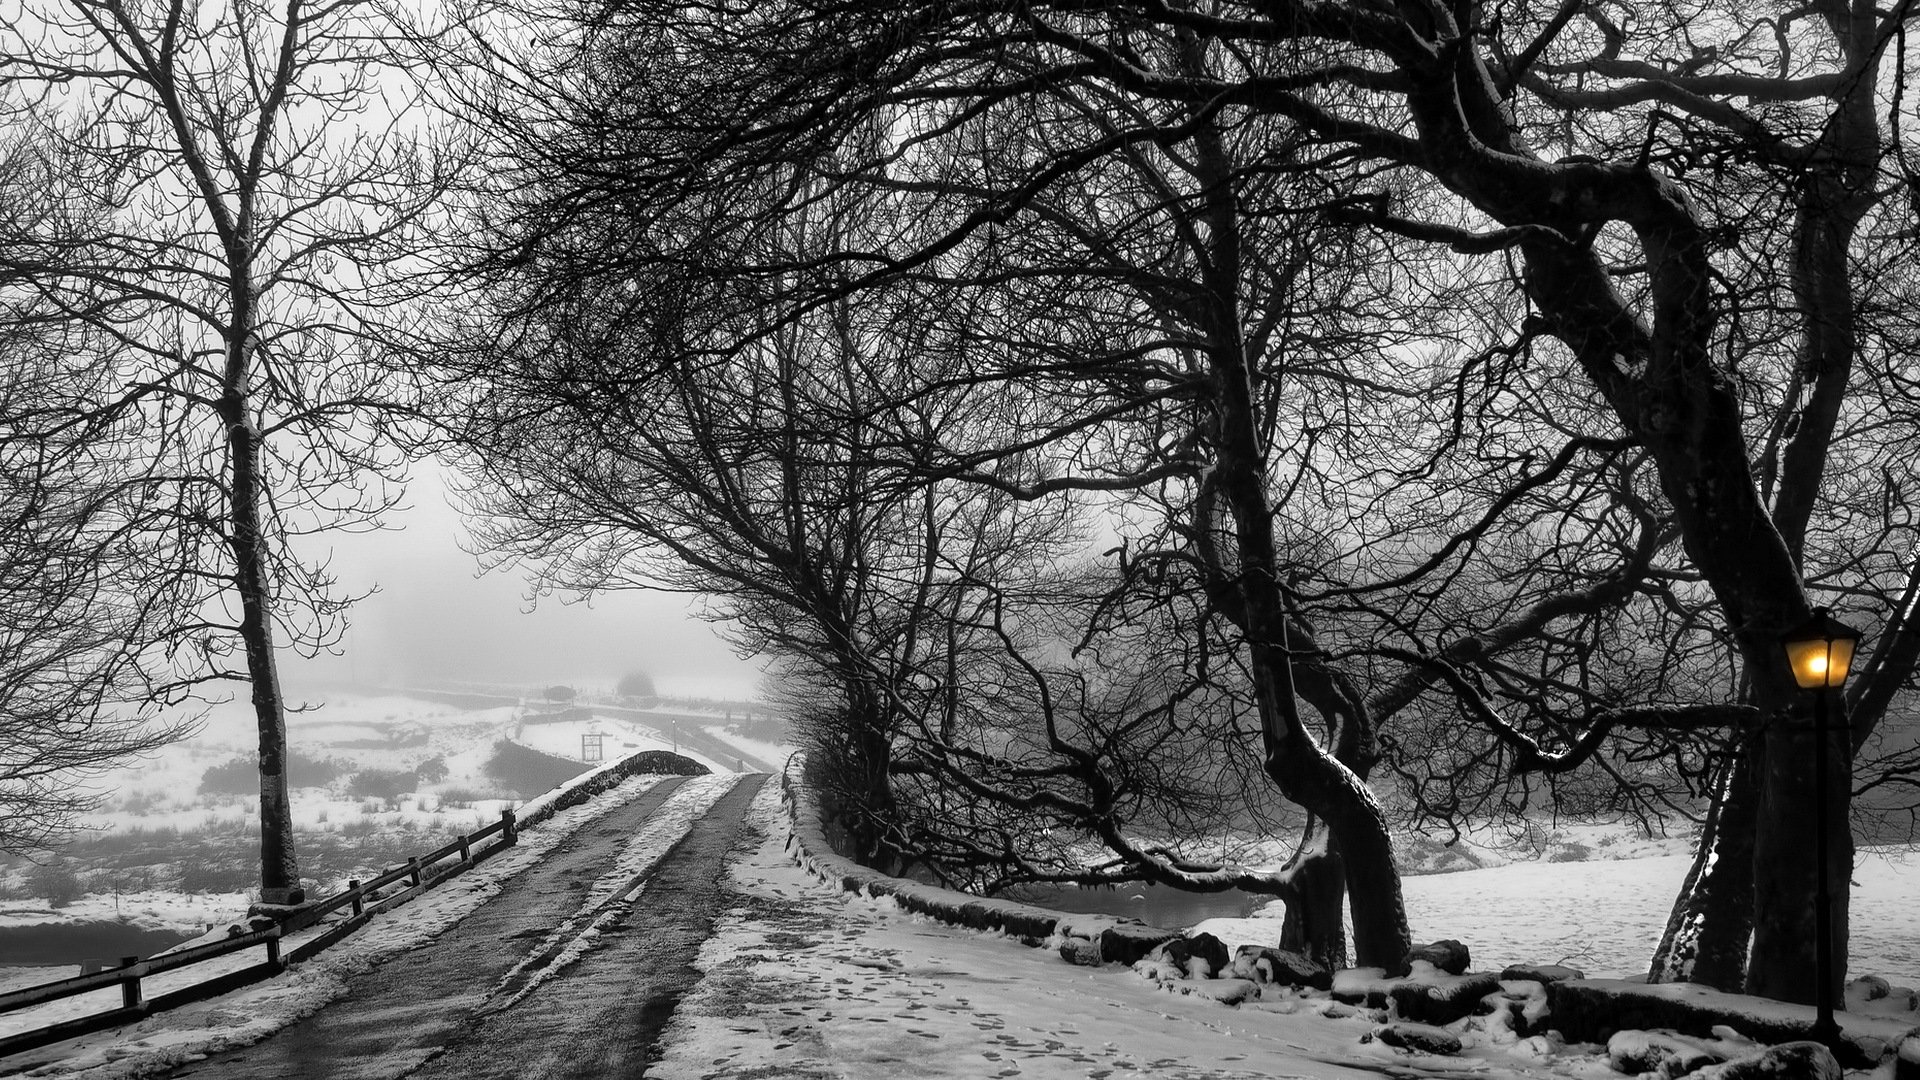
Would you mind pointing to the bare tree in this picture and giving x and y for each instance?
(252, 200)
(1602, 256)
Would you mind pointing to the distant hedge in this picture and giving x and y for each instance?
(241, 775)
(529, 771)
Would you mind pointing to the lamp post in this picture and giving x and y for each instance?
(1820, 652)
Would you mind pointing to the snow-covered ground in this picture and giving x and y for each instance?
(801, 980)
(250, 1014)
(1606, 916)
(617, 737)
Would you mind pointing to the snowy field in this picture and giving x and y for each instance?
(1606, 916)
(385, 777)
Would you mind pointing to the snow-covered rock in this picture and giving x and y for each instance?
(1079, 950)
(1201, 956)
(1787, 1061)
(1224, 991)
(1446, 954)
(1906, 1057)
(1425, 1038)
(1265, 964)
(1424, 995)
(1667, 1052)
(1523, 1003)
(1541, 973)
(1868, 988)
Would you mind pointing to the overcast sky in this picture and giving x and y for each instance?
(433, 621)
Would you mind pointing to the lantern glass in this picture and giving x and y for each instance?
(1820, 653)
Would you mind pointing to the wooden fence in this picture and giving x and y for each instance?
(419, 873)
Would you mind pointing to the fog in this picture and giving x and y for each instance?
(433, 622)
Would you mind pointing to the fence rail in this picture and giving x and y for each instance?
(420, 873)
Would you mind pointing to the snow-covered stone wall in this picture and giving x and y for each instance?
(1118, 940)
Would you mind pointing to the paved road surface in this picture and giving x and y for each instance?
(444, 1010)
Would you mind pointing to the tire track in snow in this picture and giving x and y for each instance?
(603, 1016)
(658, 838)
(404, 1010)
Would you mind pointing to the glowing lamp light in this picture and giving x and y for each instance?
(1820, 651)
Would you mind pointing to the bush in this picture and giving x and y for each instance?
(380, 784)
(241, 775)
(636, 684)
(56, 881)
(431, 771)
(560, 693)
(236, 777)
(529, 770)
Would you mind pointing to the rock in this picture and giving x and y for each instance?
(1442, 999)
(1361, 986)
(1446, 954)
(1906, 1057)
(1082, 951)
(1541, 973)
(1424, 1038)
(1224, 991)
(1285, 967)
(1127, 942)
(1524, 1001)
(1542, 1047)
(1666, 1052)
(1788, 1061)
(1202, 956)
(1868, 988)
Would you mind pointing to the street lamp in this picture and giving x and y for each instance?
(1820, 652)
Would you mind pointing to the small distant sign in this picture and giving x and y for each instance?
(590, 747)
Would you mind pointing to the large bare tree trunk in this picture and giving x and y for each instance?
(1315, 924)
(1712, 920)
(1303, 769)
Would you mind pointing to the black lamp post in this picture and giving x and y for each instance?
(1820, 653)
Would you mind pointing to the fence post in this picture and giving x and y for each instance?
(130, 986)
(273, 953)
(466, 855)
(359, 904)
(413, 865)
(508, 831)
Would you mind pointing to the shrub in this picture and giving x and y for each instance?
(525, 769)
(431, 771)
(56, 881)
(236, 777)
(380, 783)
(560, 693)
(636, 684)
(241, 775)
